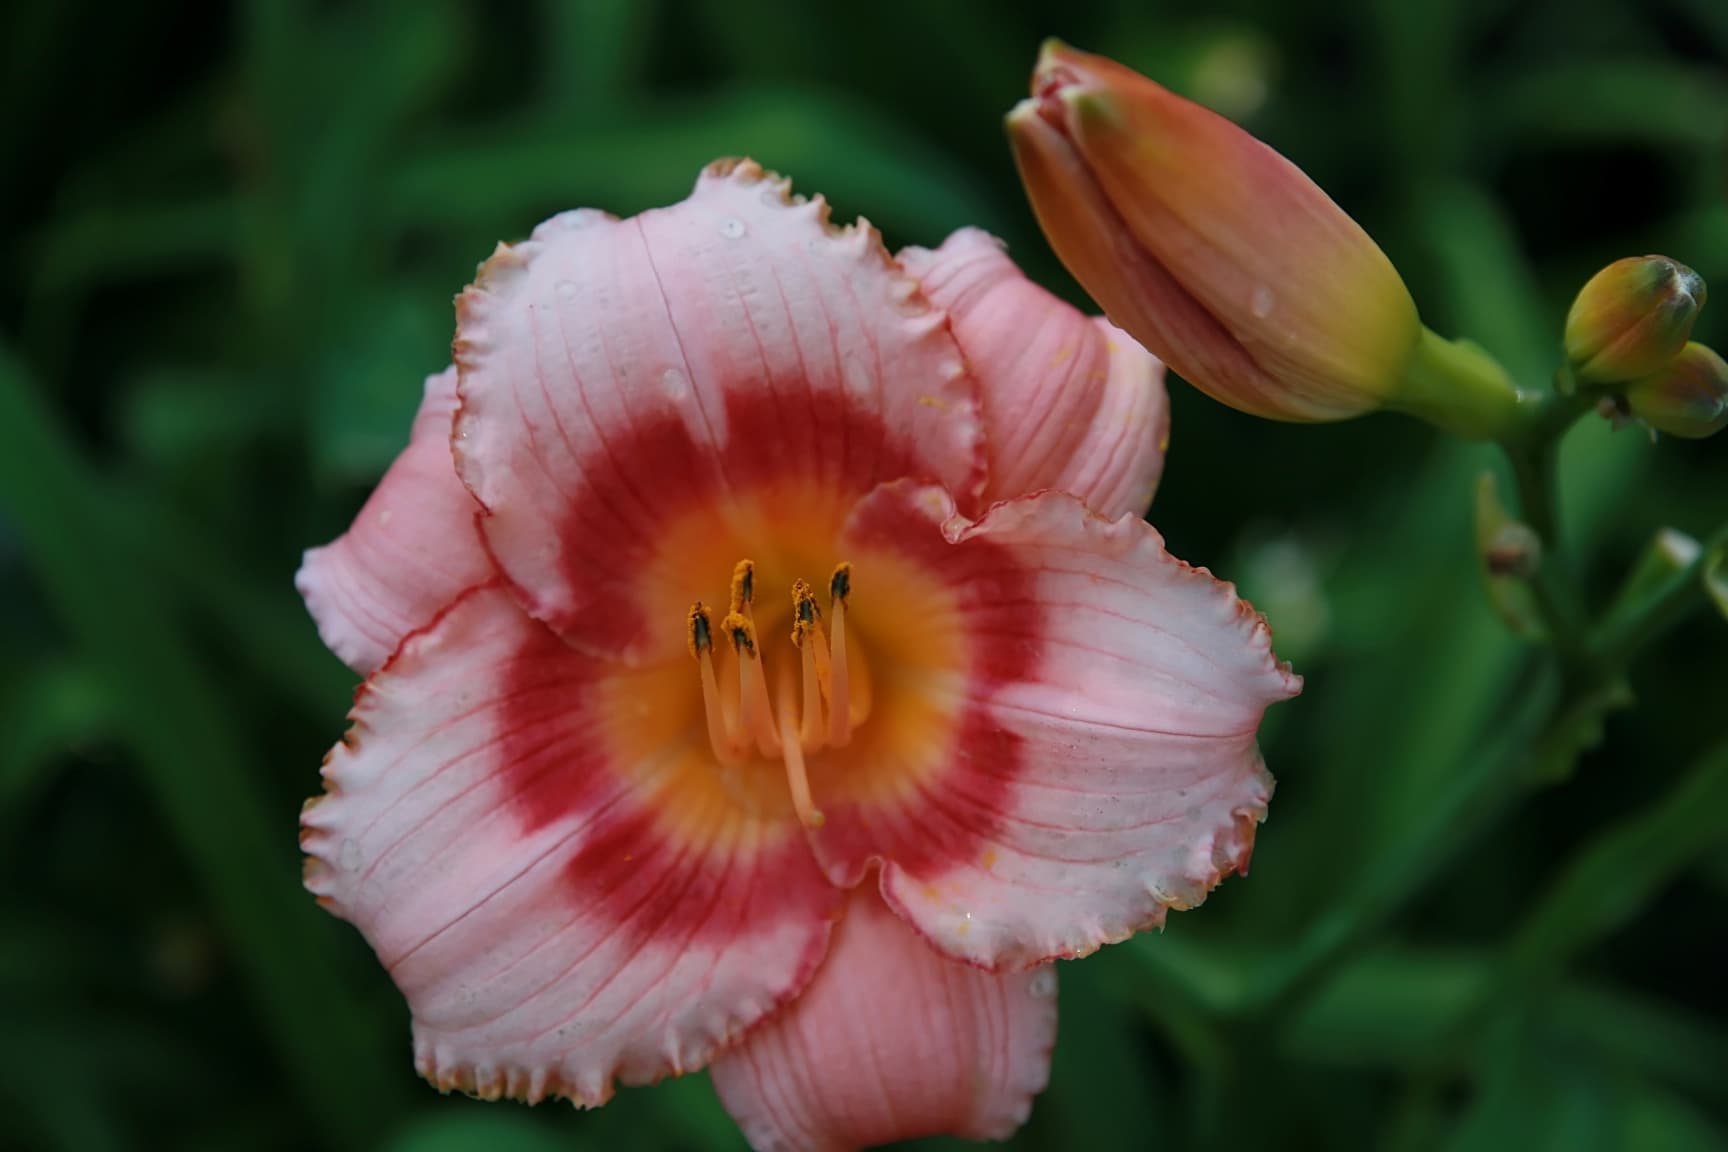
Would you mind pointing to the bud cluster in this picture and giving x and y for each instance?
(1232, 266)
(1629, 332)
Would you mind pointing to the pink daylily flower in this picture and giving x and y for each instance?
(768, 667)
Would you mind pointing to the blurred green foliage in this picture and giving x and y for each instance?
(230, 239)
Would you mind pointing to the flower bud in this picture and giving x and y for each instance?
(1509, 552)
(1688, 397)
(1669, 556)
(1208, 247)
(1631, 318)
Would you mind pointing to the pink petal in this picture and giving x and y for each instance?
(892, 1042)
(410, 551)
(618, 376)
(1101, 764)
(561, 900)
(1070, 403)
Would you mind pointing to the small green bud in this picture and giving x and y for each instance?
(1669, 553)
(1510, 554)
(1632, 318)
(1688, 397)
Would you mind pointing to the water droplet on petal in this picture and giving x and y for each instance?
(1043, 983)
(1261, 302)
(732, 228)
(574, 220)
(566, 289)
(674, 384)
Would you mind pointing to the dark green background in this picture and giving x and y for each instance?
(229, 238)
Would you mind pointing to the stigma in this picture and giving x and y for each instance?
(813, 703)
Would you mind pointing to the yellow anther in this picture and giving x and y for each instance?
(839, 672)
(805, 614)
(815, 695)
(743, 587)
(701, 638)
(743, 632)
(700, 635)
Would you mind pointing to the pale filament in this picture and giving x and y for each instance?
(815, 700)
(701, 636)
(802, 803)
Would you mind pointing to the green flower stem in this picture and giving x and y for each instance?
(1620, 869)
(1457, 386)
(197, 768)
(1555, 726)
(1460, 388)
(1551, 587)
(1483, 789)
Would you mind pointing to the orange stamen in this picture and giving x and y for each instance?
(755, 718)
(796, 778)
(701, 637)
(807, 636)
(839, 677)
(743, 589)
(819, 702)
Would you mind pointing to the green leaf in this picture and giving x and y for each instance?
(1100, 1083)
(1664, 1122)
(1388, 1007)
(1530, 1101)
(475, 1129)
(1606, 101)
(504, 182)
(1663, 1041)
(59, 707)
(369, 382)
(682, 1114)
(122, 240)
(266, 625)
(175, 418)
(1399, 1007)
(595, 53)
(1617, 873)
(1537, 1094)
(1176, 965)
(691, 1111)
(166, 706)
